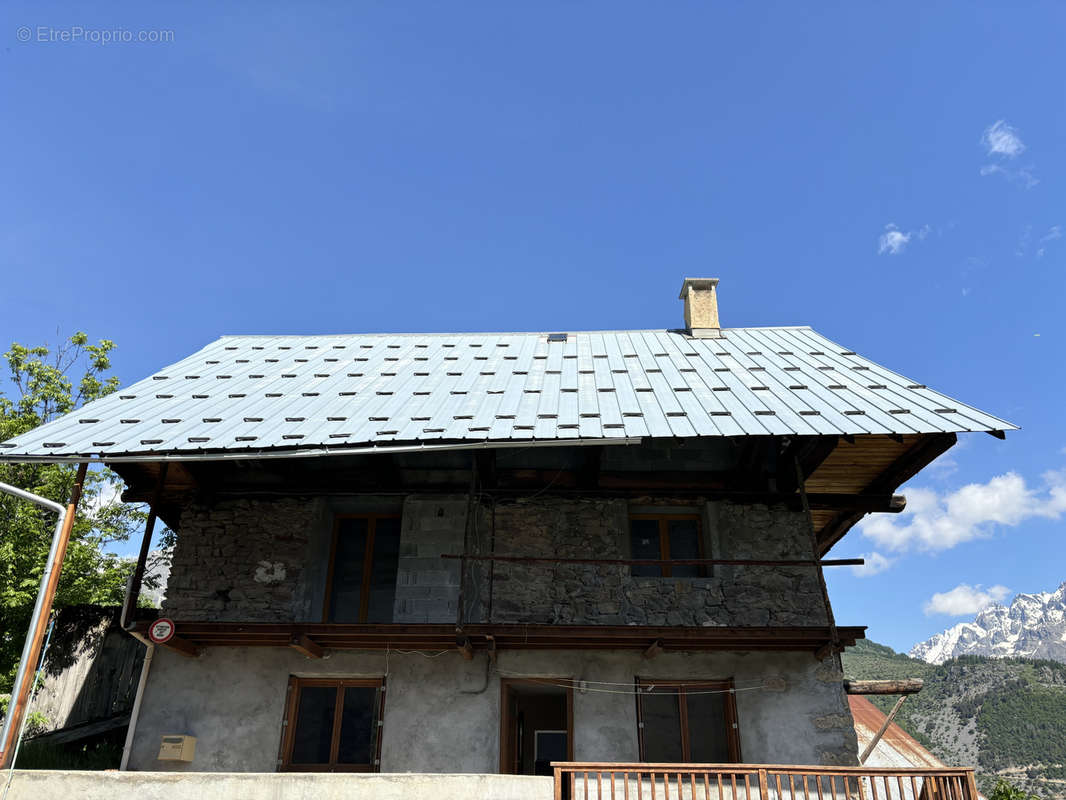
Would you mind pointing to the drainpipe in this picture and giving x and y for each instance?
(135, 714)
(31, 650)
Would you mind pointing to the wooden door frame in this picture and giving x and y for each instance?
(506, 744)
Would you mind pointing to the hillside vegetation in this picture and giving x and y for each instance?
(1005, 716)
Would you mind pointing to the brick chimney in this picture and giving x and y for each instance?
(701, 307)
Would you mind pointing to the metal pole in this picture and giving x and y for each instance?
(38, 621)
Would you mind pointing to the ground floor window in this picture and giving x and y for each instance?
(332, 725)
(687, 721)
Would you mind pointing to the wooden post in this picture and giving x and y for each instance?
(801, 481)
(129, 605)
(884, 727)
(17, 707)
(764, 786)
(971, 786)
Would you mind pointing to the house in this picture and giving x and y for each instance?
(484, 553)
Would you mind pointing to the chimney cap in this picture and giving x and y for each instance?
(696, 283)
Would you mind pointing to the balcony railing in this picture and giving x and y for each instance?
(588, 781)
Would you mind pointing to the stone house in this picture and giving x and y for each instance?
(481, 553)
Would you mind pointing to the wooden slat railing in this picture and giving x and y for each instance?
(607, 781)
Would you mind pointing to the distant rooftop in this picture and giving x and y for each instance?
(255, 396)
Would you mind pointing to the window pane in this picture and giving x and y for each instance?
(359, 725)
(707, 734)
(314, 725)
(684, 543)
(644, 543)
(662, 725)
(348, 562)
(386, 559)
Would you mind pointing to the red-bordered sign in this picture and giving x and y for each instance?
(162, 630)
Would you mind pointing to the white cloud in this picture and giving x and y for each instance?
(965, 600)
(875, 563)
(1053, 233)
(1000, 139)
(893, 240)
(1023, 175)
(934, 521)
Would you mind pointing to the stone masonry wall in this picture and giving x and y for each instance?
(610, 595)
(240, 560)
(265, 561)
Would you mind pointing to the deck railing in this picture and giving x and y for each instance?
(605, 781)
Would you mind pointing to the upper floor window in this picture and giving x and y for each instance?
(361, 583)
(332, 725)
(664, 537)
(688, 722)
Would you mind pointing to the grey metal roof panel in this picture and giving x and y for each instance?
(260, 394)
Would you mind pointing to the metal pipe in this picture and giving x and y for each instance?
(658, 562)
(135, 714)
(42, 607)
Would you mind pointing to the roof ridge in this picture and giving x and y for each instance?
(499, 333)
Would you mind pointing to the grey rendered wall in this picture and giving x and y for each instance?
(442, 713)
(265, 561)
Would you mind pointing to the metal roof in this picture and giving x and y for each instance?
(291, 395)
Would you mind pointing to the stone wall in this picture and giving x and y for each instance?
(241, 560)
(611, 595)
(266, 560)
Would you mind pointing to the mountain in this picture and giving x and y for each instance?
(1006, 716)
(1033, 626)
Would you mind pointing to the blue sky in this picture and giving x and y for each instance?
(893, 176)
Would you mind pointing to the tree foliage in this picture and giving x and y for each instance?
(1005, 790)
(46, 383)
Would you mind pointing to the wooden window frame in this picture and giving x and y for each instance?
(368, 562)
(664, 519)
(732, 727)
(288, 725)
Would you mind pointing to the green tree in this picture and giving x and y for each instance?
(1005, 790)
(47, 383)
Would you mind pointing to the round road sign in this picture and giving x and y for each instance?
(162, 630)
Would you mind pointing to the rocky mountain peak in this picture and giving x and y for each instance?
(1032, 626)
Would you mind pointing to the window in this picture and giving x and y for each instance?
(666, 536)
(690, 722)
(361, 584)
(332, 725)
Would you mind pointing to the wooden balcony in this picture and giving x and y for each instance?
(605, 781)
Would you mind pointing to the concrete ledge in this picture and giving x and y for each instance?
(66, 785)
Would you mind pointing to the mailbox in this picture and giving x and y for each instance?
(177, 748)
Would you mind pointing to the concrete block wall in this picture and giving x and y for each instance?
(427, 586)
